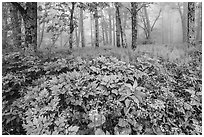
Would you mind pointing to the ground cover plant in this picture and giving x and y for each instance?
(102, 95)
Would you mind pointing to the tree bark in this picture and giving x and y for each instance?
(184, 20)
(82, 28)
(110, 27)
(191, 23)
(105, 29)
(4, 24)
(16, 20)
(147, 23)
(121, 33)
(71, 25)
(124, 27)
(199, 23)
(113, 31)
(91, 29)
(96, 27)
(42, 34)
(117, 13)
(134, 7)
(30, 22)
(77, 34)
(103, 33)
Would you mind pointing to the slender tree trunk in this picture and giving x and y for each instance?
(147, 23)
(114, 31)
(106, 32)
(110, 27)
(42, 34)
(134, 7)
(191, 23)
(124, 27)
(105, 29)
(103, 33)
(78, 34)
(91, 29)
(184, 19)
(199, 24)
(71, 26)
(82, 28)
(121, 32)
(16, 30)
(117, 25)
(96, 27)
(162, 27)
(4, 24)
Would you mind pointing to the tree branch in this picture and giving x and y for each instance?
(141, 27)
(156, 19)
(144, 4)
(128, 10)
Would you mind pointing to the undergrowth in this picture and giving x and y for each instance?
(103, 94)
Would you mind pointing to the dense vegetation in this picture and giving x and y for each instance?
(101, 94)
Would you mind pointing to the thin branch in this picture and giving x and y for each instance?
(128, 10)
(141, 27)
(144, 4)
(137, 9)
(156, 19)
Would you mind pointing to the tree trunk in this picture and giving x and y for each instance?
(71, 25)
(96, 27)
(199, 23)
(120, 28)
(121, 32)
(30, 22)
(110, 27)
(16, 20)
(91, 29)
(77, 34)
(82, 28)
(134, 7)
(103, 33)
(4, 24)
(184, 19)
(191, 23)
(117, 13)
(184, 22)
(105, 28)
(124, 27)
(147, 24)
(114, 31)
(42, 34)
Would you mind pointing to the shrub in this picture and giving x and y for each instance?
(104, 96)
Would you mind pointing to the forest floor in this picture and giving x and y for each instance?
(107, 90)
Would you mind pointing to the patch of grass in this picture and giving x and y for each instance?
(177, 53)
